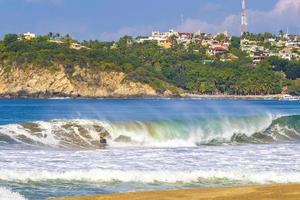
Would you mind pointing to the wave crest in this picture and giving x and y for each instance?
(169, 133)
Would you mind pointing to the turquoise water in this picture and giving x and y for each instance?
(49, 148)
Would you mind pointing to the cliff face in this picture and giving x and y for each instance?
(40, 83)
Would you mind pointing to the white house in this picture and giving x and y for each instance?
(28, 36)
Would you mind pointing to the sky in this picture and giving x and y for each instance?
(110, 19)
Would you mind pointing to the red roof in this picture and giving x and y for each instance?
(186, 34)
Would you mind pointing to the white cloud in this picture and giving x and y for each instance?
(192, 25)
(286, 13)
(287, 5)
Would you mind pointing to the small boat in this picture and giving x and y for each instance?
(288, 97)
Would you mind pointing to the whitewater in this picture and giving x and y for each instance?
(6, 194)
(50, 148)
(85, 134)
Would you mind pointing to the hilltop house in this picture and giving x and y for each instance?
(162, 38)
(28, 36)
(258, 56)
(77, 46)
(217, 50)
(184, 38)
(288, 53)
(156, 35)
(165, 43)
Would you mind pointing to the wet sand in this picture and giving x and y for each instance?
(266, 192)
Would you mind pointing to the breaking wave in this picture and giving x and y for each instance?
(169, 133)
(6, 194)
(109, 176)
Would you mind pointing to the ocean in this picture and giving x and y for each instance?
(50, 148)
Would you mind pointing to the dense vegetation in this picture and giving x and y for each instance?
(161, 68)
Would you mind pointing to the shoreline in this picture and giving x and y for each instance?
(185, 96)
(263, 192)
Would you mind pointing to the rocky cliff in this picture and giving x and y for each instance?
(44, 82)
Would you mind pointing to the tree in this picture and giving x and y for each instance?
(294, 87)
(235, 42)
(161, 68)
(57, 35)
(221, 37)
(125, 42)
(127, 67)
(174, 42)
(1, 46)
(41, 39)
(267, 35)
(10, 38)
(67, 39)
(281, 34)
(51, 35)
(294, 50)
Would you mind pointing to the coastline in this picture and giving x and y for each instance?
(183, 96)
(263, 192)
(223, 96)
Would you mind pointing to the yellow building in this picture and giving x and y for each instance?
(167, 44)
(28, 36)
(77, 46)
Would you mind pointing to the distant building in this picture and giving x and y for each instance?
(287, 53)
(218, 45)
(167, 44)
(252, 48)
(185, 38)
(258, 56)
(163, 38)
(77, 46)
(185, 35)
(156, 35)
(28, 36)
(217, 50)
(57, 41)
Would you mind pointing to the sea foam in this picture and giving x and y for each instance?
(165, 176)
(6, 194)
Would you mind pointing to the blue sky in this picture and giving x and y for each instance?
(110, 19)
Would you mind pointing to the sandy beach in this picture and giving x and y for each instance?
(266, 192)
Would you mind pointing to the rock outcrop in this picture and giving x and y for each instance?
(43, 83)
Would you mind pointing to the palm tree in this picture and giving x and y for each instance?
(57, 35)
(281, 33)
(50, 35)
